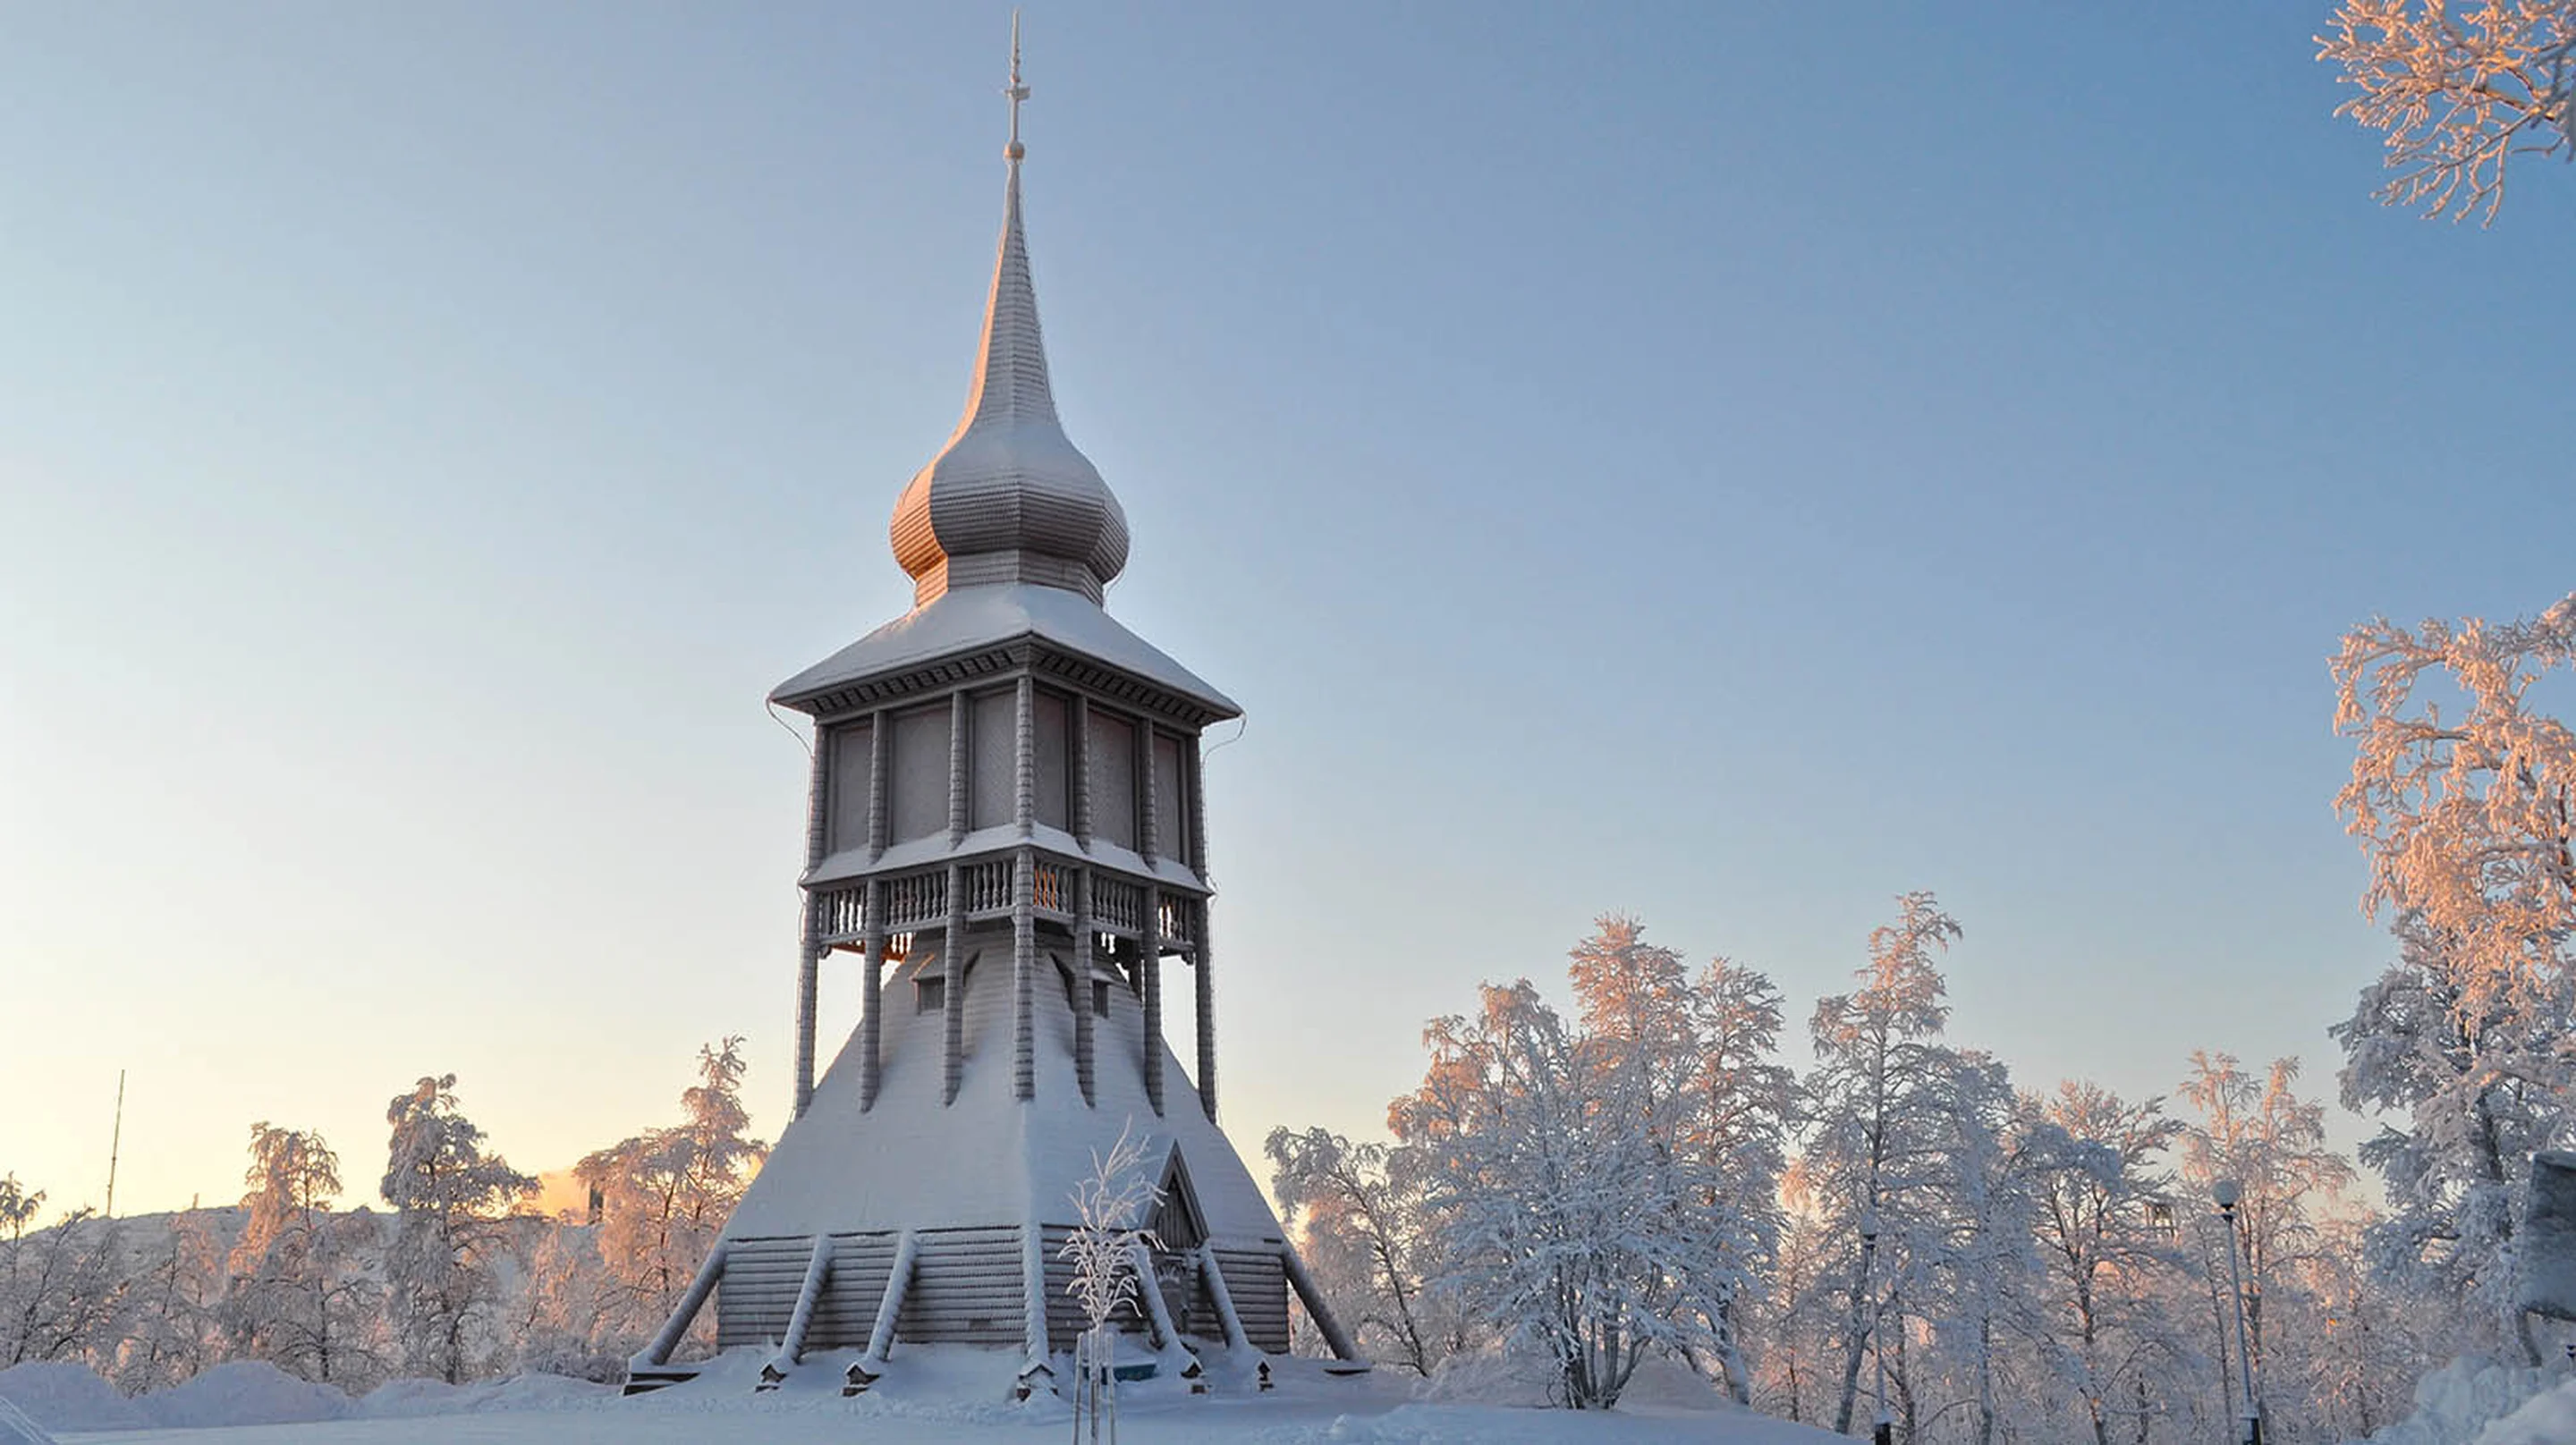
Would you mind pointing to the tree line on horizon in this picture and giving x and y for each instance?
(1647, 1177)
(456, 1281)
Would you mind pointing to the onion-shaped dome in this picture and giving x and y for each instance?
(1009, 498)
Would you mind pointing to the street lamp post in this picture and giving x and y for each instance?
(2226, 1192)
(1883, 1431)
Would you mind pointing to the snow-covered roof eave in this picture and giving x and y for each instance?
(968, 620)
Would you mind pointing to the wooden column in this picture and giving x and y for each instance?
(878, 751)
(1194, 769)
(1207, 1011)
(1024, 973)
(1024, 899)
(1149, 823)
(1083, 944)
(809, 958)
(872, 1005)
(1080, 742)
(961, 744)
(1024, 787)
(952, 989)
(1149, 979)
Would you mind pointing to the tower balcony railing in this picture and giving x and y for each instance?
(919, 899)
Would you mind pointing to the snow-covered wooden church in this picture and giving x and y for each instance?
(1007, 829)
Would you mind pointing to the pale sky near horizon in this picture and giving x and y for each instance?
(1725, 464)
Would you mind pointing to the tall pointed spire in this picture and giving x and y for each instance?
(1009, 498)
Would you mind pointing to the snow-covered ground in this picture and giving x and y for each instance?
(2476, 1402)
(941, 1396)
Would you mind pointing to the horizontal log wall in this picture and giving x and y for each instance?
(966, 1289)
(757, 1291)
(861, 1264)
(1259, 1284)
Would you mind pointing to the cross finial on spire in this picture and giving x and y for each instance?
(1016, 91)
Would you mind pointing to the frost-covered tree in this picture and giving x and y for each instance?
(561, 1322)
(2467, 813)
(2259, 1132)
(1360, 1223)
(2101, 1217)
(1701, 1058)
(2459, 88)
(300, 1296)
(2479, 1092)
(1740, 1102)
(442, 1268)
(1977, 1269)
(1110, 1236)
(1879, 1137)
(2464, 798)
(665, 1193)
(62, 1288)
(174, 1314)
(1564, 1214)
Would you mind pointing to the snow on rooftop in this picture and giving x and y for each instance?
(968, 619)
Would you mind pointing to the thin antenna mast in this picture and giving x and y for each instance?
(115, 1138)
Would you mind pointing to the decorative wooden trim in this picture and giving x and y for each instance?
(835, 700)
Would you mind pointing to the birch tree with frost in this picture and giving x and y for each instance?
(300, 1296)
(2458, 90)
(1874, 1109)
(2463, 796)
(442, 1269)
(1564, 1213)
(666, 1193)
(1360, 1232)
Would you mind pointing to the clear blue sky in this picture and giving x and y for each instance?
(1728, 464)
